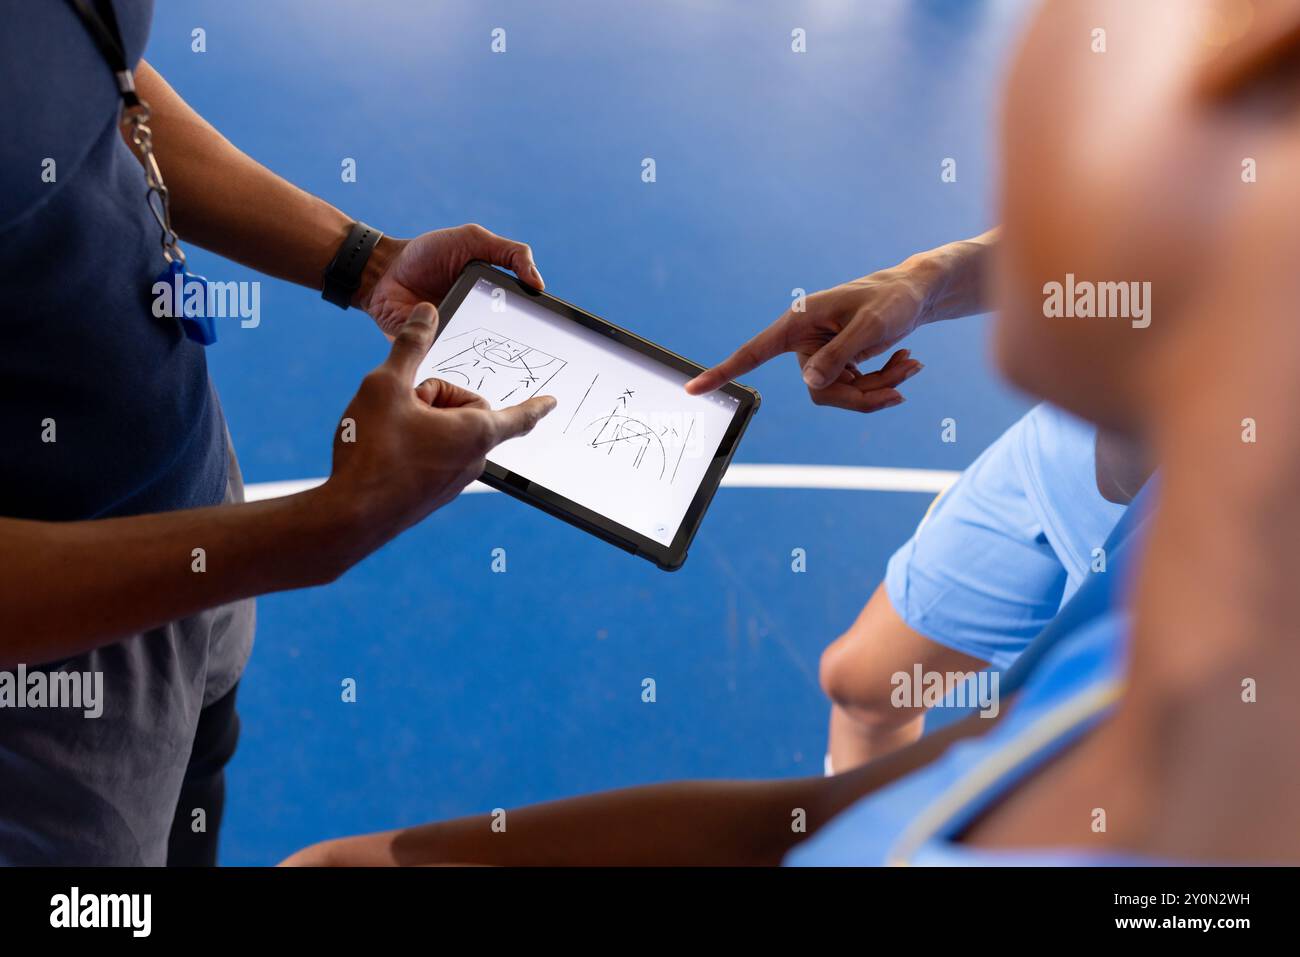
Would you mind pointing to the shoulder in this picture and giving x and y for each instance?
(68, 98)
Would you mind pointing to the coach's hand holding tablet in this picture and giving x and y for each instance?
(629, 457)
(400, 453)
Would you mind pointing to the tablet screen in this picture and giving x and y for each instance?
(624, 439)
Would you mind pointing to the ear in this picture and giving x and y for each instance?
(1259, 39)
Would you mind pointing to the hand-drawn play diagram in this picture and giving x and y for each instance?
(496, 367)
(643, 446)
(624, 440)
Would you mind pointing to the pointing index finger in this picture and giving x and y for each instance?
(768, 344)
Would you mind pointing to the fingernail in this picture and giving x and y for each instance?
(813, 378)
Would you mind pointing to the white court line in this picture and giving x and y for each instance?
(858, 478)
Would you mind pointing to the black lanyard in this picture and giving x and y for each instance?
(102, 24)
(101, 20)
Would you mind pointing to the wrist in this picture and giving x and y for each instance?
(952, 277)
(381, 258)
(926, 275)
(334, 531)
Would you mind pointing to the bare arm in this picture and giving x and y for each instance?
(225, 201)
(229, 203)
(67, 587)
(836, 329)
(957, 276)
(683, 822)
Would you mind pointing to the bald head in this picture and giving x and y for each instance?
(1136, 136)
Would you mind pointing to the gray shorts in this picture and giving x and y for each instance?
(76, 789)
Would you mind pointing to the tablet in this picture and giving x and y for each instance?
(626, 454)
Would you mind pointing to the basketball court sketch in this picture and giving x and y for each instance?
(644, 447)
(496, 367)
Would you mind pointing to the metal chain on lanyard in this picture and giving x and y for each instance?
(101, 20)
(137, 119)
(102, 24)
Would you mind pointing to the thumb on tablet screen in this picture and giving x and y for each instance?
(517, 420)
(413, 340)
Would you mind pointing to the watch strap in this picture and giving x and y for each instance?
(343, 274)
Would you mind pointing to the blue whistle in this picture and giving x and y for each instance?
(183, 296)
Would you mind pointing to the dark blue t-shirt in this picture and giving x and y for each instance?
(124, 395)
(137, 429)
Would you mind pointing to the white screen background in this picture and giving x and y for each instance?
(624, 439)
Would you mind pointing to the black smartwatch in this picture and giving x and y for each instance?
(343, 274)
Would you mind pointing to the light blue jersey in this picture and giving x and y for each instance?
(1073, 685)
(1005, 547)
(914, 820)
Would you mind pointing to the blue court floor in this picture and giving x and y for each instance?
(775, 171)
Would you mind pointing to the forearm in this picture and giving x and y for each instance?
(686, 822)
(68, 587)
(956, 275)
(225, 201)
(682, 823)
